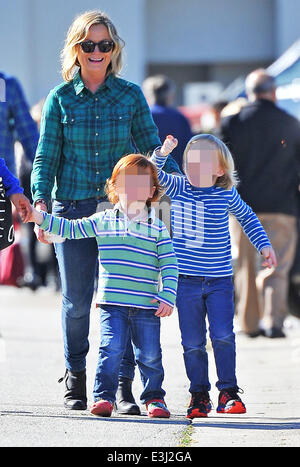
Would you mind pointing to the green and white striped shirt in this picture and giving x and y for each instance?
(133, 254)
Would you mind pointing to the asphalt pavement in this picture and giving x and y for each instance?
(32, 414)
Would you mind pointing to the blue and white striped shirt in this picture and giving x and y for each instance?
(200, 224)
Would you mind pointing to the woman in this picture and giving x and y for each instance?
(89, 122)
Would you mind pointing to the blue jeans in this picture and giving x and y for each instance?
(198, 297)
(77, 261)
(117, 323)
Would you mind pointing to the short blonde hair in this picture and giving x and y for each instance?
(77, 33)
(229, 179)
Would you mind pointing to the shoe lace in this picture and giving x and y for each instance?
(63, 378)
(200, 398)
(161, 405)
(230, 394)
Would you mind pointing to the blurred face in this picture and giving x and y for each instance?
(95, 61)
(202, 164)
(134, 186)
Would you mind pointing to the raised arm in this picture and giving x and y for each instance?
(173, 183)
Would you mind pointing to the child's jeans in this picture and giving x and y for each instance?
(197, 297)
(116, 324)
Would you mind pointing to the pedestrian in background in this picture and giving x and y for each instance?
(40, 269)
(159, 91)
(89, 122)
(265, 143)
(217, 108)
(16, 122)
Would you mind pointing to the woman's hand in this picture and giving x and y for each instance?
(270, 257)
(163, 310)
(170, 143)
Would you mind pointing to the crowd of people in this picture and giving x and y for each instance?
(97, 156)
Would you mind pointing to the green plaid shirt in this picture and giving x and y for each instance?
(83, 135)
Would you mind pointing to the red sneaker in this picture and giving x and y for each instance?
(230, 402)
(157, 408)
(200, 405)
(102, 407)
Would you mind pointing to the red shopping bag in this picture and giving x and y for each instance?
(11, 265)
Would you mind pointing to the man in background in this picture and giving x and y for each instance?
(160, 93)
(265, 142)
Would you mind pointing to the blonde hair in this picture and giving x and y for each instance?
(229, 179)
(77, 32)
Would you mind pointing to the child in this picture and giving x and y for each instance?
(201, 203)
(134, 247)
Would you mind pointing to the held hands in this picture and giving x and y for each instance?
(170, 143)
(163, 310)
(22, 205)
(270, 257)
(40, 206)
(34, 216)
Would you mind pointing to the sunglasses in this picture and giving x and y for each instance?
(104, 46)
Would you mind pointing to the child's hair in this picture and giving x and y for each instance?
(132, 160)
(229, 179)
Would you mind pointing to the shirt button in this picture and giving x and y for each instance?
(97, 116)
(96, 98)
(98, 189)
(96, 153)
(97, 173)
(96, 134)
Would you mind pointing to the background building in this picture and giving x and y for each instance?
(192, 41)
